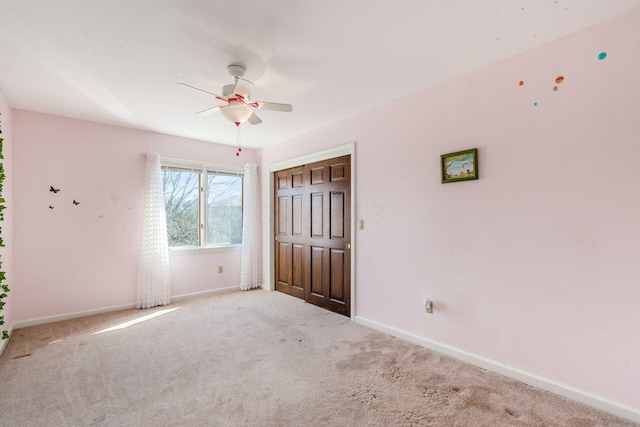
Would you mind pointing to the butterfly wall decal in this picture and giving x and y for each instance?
(50, 207)
(53, 190)
(76, 203)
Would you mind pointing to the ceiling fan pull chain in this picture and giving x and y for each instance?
(239, 149)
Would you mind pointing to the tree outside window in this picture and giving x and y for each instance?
(224, 206)
(192, 220)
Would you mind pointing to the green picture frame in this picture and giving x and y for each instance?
(459, 166)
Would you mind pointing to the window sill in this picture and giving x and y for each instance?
(204, 250)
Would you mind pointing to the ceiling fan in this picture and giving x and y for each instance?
(237, 105)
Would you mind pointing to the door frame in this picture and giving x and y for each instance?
(267, 176)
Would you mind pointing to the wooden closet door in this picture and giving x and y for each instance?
(289, 227)
(313, 233)
(327, 248)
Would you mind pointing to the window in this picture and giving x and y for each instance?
(224, 207)
(203, 205)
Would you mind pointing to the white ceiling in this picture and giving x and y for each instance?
(118, 62)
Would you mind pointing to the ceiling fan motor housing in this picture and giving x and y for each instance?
(227, 90)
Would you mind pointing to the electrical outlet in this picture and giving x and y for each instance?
(428, 306)
(219, 269)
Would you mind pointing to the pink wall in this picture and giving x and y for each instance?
(71, 259)
(534, 265)
(7, 225)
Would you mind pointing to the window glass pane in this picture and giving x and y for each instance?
(181, 201)
(224, 204)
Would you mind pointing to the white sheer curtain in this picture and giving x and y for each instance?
(250, 229)
(153, 267)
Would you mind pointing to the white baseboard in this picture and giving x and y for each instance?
(615, 408)
(60, 317)
(205, 293)
(68, 316)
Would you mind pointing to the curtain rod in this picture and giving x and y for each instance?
(219, 167)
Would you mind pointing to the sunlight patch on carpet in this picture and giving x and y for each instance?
(136, 321)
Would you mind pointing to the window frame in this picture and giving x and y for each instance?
(203, 168)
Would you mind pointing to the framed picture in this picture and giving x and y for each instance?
(459, 166)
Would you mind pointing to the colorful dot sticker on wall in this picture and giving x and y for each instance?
(602, 55)
(535, 104)
(555, 88)
(521, 83)
(559, 79)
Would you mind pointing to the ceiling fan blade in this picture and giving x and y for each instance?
(287, 108)
(254, 119)
(203, 91)
(243, 87)
(208, 111)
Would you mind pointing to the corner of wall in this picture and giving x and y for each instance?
(6, 252)
(4, 343)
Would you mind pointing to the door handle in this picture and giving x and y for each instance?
(348, 245)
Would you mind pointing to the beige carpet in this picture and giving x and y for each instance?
(254, 359)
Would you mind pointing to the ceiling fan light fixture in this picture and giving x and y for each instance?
(237, 112)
